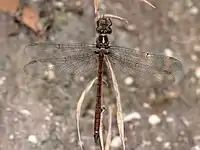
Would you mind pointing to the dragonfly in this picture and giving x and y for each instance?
(82, 59)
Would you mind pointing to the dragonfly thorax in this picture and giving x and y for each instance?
(102, 50)
(102, 41)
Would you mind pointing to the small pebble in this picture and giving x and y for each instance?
(182, 133)
(132, 89)
(11, 137)
(146, 143)
(197, 48)
(131, 27)
(172, 94)
(193, 80)
(17, 133)
(32, 139)
(134, 115)
(116, 142)
(49, 74)
(196, 147)
(194, 57)
(152, 96)
(82, 79)
(197, 72)
(168, 52)
(167, 145)
(16, 119)
(159, 139)
(2, 79)
(164, 112)
(57, 123)
(189, 3)
(186, 122)
(198, 91)
(49, 107)
(8, 109)
(169, 119)
(194, 10)
(146, 105)
(59, 4)
(197, 137)
(44, 126)
(154, 119)
(25, 112)
(78, 3)
(47, 118)
(128, 81)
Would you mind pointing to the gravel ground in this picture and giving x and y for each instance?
(40, 115)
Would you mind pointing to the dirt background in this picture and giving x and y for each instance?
(38, 115)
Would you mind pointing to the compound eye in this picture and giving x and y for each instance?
(109, 31)
(99, 29)
(101, 22)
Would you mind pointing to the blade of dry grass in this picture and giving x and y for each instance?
(120, 122)
(116, 17)
(78, 108)
(101, 130)
(96, 7)
(98, 15)
(147, 2)
(101, 124)
(108, 139)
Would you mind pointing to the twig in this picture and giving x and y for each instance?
(78, 108)
(147, 2)
(99, 15)
(96, 8)
(101, 130)
(120, 122)
(108, 139)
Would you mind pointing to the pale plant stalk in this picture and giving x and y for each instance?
(147, 2)
(120, 122)
(96, 8)
(108, 139)
(78, 109)
(116, 17)
(101, 131)
(98, 14)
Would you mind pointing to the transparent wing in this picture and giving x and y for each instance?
(58, 50)
(60, 60)
(144, 66)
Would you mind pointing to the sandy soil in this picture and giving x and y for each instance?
(40, 115)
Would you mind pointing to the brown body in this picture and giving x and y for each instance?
(98, 101)
(102, 43)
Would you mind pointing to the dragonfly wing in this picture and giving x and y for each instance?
(58, 50)
(143, 65)
(60, 62)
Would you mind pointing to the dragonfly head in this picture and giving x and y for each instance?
(104, 26)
